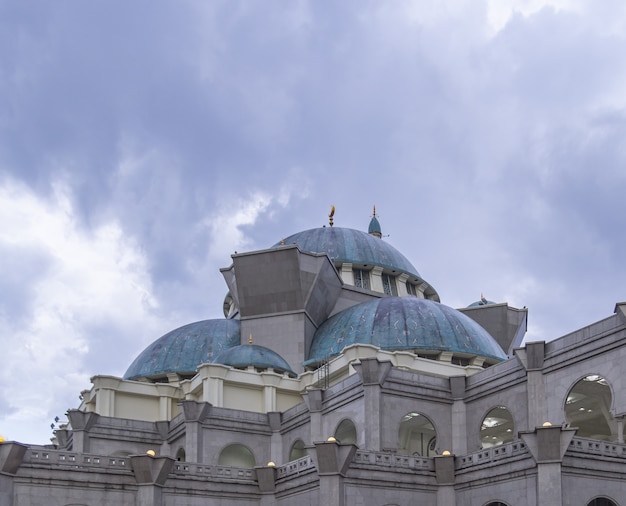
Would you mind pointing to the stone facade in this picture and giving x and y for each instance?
(367, 427)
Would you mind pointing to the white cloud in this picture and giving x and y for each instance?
(75, 280)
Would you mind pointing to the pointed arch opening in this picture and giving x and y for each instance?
(417, 435)
(588, 408)
(497, 427)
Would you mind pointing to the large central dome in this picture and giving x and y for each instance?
(345, 245)
(361, 249)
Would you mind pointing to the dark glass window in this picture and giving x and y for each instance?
(389, 285)
(601, 501)
(361, 278)
(410, 289)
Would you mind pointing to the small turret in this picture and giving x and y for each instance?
(374, 228)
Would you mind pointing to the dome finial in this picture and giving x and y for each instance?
(330, 216)
(374, 228)
(250, 338)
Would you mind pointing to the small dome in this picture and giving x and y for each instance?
(253, 355)
(404, 323)
(374, 227)
(482, 302)
(182, 350)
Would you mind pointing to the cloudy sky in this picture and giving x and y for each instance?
(142, 143)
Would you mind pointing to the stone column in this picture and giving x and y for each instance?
(313, 398)
(444, 472)
(373, 374)
(151, 474)
(81, 423)
(548, 444)
(333, 460)
(459, 415)
(266, 478)
(194, 413)
(276, 443)
(536, 388)
(11, 457)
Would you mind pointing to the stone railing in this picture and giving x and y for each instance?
(213, 472)
(595, 447)
(389, 459)
(76, 460)
(492, 454)
(295, 467)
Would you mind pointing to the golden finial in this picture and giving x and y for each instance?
(374, 211)
(282, 241)
(330, 216)
(250, 339)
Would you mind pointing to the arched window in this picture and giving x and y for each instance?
(497, 427)
(297, 450)
(588, 406)
(601, 501)
(496, 503)
(346, 432)
(236, 455)
(180, 455)
(417, 435)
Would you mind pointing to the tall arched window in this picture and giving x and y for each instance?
(297, 450)
(497, 427)
(236, 455)
(417, 435)
(180, 455)
(346, 432)
(588, 406)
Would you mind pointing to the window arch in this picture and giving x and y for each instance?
(497, 427)
(236, 455)
(417, 435)
(180, 455)
(496, 503)
(297, 450)
(588, 408)
(601, 501)
(346, 432)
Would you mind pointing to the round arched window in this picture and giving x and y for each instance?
(346, 432)
(497, 427)
(417, 435)
(588, 406)
(236, 455)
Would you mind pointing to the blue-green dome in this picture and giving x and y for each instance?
(345, 245)
(404, 323)
(253, 355)
(482, 302)
(374, 227)
(182, 350)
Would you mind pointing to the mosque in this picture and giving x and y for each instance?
(337, 377)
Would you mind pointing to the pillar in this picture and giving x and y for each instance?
(548, 444)
(11, 458)
(151, 474)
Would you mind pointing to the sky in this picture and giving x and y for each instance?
(142, 143)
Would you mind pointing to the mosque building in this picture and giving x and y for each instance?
(337, 377)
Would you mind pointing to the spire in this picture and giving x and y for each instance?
(374, 228)
(330, 216)
(250, 339)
